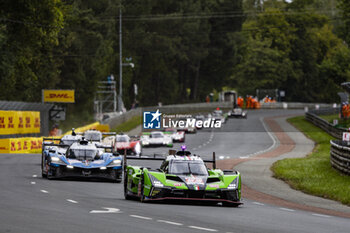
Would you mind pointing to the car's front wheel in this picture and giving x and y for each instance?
(126, 195)
(43, 167)
(118, 176)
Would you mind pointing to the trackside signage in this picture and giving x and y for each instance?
(58, 96)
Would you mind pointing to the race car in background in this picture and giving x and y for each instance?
(94, 135)
(80, 159)
(188, 129)
(182, 176)
(218, 115)
(237, 113)
(200, 117)
(123, 143)
(69, 139)
(156, 138)
(177, 136)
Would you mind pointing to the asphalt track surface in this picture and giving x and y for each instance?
(29, 203)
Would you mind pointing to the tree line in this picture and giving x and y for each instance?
(182, 50)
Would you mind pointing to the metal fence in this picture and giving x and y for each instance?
(340, 156)
(28, 106)
(313, 117)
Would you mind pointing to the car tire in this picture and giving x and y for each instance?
(118, 177)
(126, 195)
(142, 196)
(43, 175)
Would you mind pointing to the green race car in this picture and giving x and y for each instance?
(182, 176)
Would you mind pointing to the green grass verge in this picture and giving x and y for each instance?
(314, 174)
(330, 118)
(128, 125)
(341, 122)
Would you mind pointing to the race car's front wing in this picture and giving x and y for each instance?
(61, 171)
(219, 195)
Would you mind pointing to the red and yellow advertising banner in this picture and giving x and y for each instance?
(33, 145)
(4, 145)
(21, 145)
(58, 96)
(19, 122)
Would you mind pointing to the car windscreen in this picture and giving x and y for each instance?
(188, 167)
(93, 136)
(67, 142)
(82, 154)
(156, 135)
(122, 139)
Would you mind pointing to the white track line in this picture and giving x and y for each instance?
(286, 209)
(321, 215)
(258, 203)
(272, 138)
(72, 201)
(169, 222)
(43, 191)
(141, 217)
(202, 228)
(32, 182)
(35, 175)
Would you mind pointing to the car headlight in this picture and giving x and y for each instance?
(155, 181)
(55, 159)
(234, 184)
(158, 184)
(117, 162)
(145, 143)
(70, 166)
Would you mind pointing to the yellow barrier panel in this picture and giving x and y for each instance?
(34, 144)
(21, 145)
(19, 122)
(4, 145)
(103, 128)
(84, 128)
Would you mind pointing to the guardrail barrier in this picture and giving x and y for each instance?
(340, 156)
(313, 117)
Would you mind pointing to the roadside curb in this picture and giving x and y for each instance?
(257, 171)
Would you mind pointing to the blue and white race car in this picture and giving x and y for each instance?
(80, 159)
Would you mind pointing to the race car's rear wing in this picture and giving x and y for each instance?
(154, 157)
(53, 143)
(108, 148)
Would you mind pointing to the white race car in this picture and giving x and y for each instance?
(156, 138)
(178, 136)
(218, 115)
(238, 113)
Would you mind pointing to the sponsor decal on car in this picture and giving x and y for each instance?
(194, 180)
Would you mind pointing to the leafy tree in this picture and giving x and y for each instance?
(30, 32)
